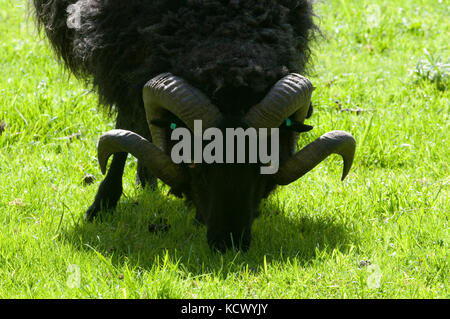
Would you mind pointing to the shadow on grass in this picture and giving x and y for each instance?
(132, 234)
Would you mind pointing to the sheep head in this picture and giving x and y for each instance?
(226, 196)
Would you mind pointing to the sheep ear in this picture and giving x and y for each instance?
(310, 111)
(297, 126)
(166, 123)
(160, 123)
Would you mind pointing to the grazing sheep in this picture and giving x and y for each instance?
(229, 63)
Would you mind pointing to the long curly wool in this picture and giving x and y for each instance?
(233, 50)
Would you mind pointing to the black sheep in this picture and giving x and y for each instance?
(234, 54)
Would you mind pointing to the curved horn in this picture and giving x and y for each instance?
(291, 94)
(337, 142)
(158, 163)
(167, 92)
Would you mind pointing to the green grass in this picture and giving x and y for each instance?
(382, 233)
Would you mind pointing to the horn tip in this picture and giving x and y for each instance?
(102, 161)
(349, 156)
(344, 174)
(102, 153)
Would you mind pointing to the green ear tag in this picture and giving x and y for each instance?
(288, 122)
(173, 126)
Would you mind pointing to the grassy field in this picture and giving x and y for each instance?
(381, 72)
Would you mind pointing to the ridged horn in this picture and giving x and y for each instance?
(158, 163)
(167, 92)
(290, 95)
(337, 142)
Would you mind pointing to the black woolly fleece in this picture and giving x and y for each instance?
(232, 50)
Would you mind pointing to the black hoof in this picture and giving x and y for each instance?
(95, 210)
(106, 199)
